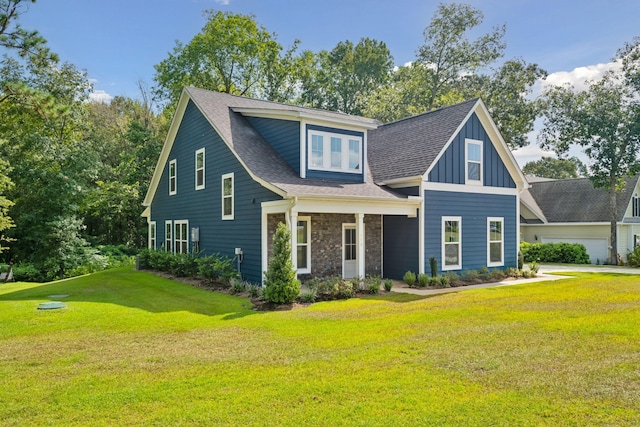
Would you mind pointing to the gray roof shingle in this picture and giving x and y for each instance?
(408, 147)
(262, 160)
(575, 200)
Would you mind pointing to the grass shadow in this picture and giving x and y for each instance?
(135, 289)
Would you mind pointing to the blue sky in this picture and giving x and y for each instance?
(119, 41)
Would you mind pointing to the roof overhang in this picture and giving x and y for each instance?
(345, 205)
(293, 115)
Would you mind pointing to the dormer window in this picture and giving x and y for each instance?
(335, 152)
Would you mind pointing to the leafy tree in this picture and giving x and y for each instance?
(232, 54)
(341, 80)
(5, 220)
(15, 38)
(603, 121)
(281, 285)
(447, 52)
(550, 167)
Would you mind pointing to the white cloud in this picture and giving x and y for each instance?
(100, 97)
(530, 153)
(223, 2)
(579, 76)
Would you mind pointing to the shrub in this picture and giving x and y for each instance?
(445, 281)
(388, 285)
(343, 289)
(433, 264)
(374, 288)
(566, 253)
(254, 290)
(423, 280)
(183, 265)
(470, 275)
(409, 278)
(497, 274)
(307, 297)
(534, 267)
(160, 260)
(27, 273)
(281, 285)
(214, 267)
(633, 258)
(238, 286)
(520, 260)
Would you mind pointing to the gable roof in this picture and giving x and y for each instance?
(225, 114)
(410, 147)
(576, 200)
(393, 148)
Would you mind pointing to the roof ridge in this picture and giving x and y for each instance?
(472, 100)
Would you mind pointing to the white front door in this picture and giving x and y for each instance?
(349, 251)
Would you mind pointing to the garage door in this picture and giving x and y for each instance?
(596, 248)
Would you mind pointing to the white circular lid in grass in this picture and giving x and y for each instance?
(51, 305)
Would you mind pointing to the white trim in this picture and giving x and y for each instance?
(298, 219)
(467, 180)
(359, 248)
(185, 238)
(173, 162)
(459, 242)
(168, 242)
(286, 113)
(201, 186)
(303, 149)
(381, 245)
(152, 236)
(353, 206)
(460, 188)
(360, 234)
(264, 233)
(345, 142)
(489, 241)
(567, 224)
(421, 250)
(232, 196)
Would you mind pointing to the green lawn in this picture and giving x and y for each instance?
(134, 349)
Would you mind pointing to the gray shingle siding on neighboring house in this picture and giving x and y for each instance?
(203, 208)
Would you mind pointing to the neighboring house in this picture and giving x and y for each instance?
(361, 198)
(573, 211)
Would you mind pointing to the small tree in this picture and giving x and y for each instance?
(281, 285)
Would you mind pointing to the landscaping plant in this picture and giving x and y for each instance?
(281, 285)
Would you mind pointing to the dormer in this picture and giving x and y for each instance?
(316, 144)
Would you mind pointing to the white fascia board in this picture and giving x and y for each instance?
(368, 207)
(461, 188)
(567, 224)
(412, 181)
(294, 115)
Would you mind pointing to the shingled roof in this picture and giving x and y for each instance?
(406, 148)
(575, 200)
(262, 160)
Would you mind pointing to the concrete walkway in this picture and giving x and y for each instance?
(544, 273)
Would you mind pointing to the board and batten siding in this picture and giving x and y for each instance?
(282, 135)
(450, 168)
(203, 208)
(474, 209)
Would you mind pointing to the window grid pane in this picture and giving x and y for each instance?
(354, 154)
(336, 152)
(317, 150)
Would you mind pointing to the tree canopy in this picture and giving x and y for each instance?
(552, 168)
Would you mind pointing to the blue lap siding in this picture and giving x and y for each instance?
(400, 236)
(474, 209)
(203, 208)
(283, 135)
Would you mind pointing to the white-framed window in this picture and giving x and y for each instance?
(635, 205)
(168, 232)
(334, 152)
(181, 236)
(173, 177)
(451, 243)
(152, 234)
(495, 242)
(200, 169)
(303, 236)
(473, 161)
(227, 196)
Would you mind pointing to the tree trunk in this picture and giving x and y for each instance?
(613, 249)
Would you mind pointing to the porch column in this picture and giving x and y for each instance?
(293, 227)
(360, 240)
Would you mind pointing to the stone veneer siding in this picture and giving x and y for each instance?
(326, 242)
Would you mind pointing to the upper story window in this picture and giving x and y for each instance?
(473, 161)
(173, 177)
(227, 196)
(635, 205)
(200, 169)
(335, 152)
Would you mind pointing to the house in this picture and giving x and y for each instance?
(361, 198)
(573, 211)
